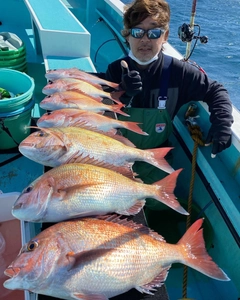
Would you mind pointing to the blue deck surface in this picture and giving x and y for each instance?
(83, 63)
(55, 8)
(17, 174)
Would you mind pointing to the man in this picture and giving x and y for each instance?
(156, 86)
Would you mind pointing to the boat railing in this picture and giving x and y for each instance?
(220, 175)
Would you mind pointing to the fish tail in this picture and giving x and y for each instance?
(115, 95)
(166, 192)
(157, 158)
(117, 109)
(133, 126)
(112, 84)
(195, 254)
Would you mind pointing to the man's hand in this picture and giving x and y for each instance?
(131, 80)
(220, 139)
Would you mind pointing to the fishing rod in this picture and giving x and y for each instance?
(186, 33)
(188, 47)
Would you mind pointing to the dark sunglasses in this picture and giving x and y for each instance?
(152, 34)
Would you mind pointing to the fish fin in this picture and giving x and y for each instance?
(122, 139)
(157, 158)
(157, 282)
(96, 85)
(112, 131)
(117, 109)
(83, 124)
(115, 95)
(195, 254)
(125, 170)
(80, 296)
(112, 84)
(133, 126)
(78, 91)
(72, 69)
(166, 192)
(70, 103)
(56, 193)
(131, 224)
(134, 209)
(137, 179)
(93, 77)
(114, 136)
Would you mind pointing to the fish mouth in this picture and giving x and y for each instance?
(12, 272)
(27, 144)
(17, 206)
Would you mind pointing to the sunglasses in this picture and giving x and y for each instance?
(152, 34)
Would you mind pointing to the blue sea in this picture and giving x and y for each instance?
(219, 20)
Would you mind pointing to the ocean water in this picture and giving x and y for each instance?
(219, 20)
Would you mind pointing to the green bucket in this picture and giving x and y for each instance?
(13, 54)
(15, 112)
(22, 67)
(12, 51)
(15, 82)
(14, 126)
(15, 61)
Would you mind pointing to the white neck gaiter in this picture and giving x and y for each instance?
(130, 54)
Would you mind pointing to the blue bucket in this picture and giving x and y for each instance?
(15, 82)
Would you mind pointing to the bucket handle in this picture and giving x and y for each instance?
(4, 128)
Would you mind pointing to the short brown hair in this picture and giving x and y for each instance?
(139, 10)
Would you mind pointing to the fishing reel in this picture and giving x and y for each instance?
(186, 34)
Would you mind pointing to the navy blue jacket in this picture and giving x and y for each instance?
(186, 83)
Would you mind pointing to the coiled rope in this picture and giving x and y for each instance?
(196, 135)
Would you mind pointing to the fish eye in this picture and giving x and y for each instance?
(28, 189)
(41, 133)
(49, 96)
(32, 245)
(49, 113)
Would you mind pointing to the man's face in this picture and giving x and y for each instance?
(144, 48)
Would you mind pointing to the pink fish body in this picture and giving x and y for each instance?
(66, 84)
(99, 259)
(77, 190)
(72, 99)
(66, 117)
(53, 75)
(58, 145)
